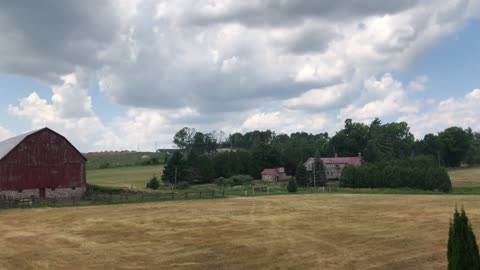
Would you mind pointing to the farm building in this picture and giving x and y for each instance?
(335, 165)
(274, 175)
(41, 163)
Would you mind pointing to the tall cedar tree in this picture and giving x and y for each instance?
(292, 186)
(320, 177)
(302, 175)
(462, 246)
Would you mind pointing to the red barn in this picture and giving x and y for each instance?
(41, 163)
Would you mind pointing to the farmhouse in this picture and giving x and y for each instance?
(334, 165)
(41, 163)
(274, 175)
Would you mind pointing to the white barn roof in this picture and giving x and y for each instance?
(7, 145)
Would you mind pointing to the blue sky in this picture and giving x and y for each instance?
(452, 65)
(122, 75)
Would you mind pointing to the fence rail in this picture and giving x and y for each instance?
(104, 198)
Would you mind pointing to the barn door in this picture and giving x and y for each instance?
(42, 193)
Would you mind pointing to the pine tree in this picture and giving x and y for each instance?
(153, 183)
(292, 186)
(301, 175)
(319, 171)
(462, 246)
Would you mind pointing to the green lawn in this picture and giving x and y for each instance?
(127, 177)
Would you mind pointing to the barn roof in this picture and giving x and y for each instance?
(8, 145)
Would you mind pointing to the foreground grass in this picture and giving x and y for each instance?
(126, 177)
(331, 231)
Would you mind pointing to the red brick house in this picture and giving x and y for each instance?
(274, 174)
(335, 165)
(41, 163)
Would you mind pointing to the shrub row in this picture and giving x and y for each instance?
(234, 180)
(103, 189)
(370, 176)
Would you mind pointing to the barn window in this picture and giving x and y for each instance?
(20, 191)
(53, 189)
(73, 188)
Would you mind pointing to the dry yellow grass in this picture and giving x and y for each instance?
(330, 231)
(466, 177)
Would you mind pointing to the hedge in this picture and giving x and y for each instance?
(370, 176)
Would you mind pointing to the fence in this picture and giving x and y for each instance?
(104, 198)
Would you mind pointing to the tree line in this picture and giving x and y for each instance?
(202, 158)
(395, 176)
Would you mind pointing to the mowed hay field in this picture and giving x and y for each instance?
(324, 231)
(465, 177)
(127, 177)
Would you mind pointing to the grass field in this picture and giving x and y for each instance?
(465, 177)
(121, 159)
(128, 177)
(336, 231)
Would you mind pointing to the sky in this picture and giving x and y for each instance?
(126, 75)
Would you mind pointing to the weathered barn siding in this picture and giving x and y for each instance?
(43, 162)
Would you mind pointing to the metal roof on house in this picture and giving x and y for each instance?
(273, 171)
(8, 145)
(340, 160)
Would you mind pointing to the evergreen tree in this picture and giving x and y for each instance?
(462, 246)
(318, 176)
(302, 175)
(175, 167)
(292, 186)
(153, 183)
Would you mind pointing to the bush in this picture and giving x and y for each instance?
(395, 176)
(153, 183)
(101, 189)
(104, 165)
(182, 185)
(223, 182)
(462, 249)
(292, 186)
(241, 179)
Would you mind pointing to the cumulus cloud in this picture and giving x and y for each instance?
(219, 64)
(461, 112)
(5, 133)
(384, 98)
(418, 84)
(86, 132)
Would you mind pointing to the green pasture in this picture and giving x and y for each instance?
(126, 177)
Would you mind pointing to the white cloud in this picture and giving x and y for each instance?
(85, 132)
(5, 133)
(385, 98)
(286, 121)
(418, 84)
(462, 112)
(232, 65)
(71, 97)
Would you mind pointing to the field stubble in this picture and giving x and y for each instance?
(331, 231)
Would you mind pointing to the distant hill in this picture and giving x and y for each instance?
(112, 159)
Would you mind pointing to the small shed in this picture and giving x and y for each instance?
(41, 163)
(274, 174)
